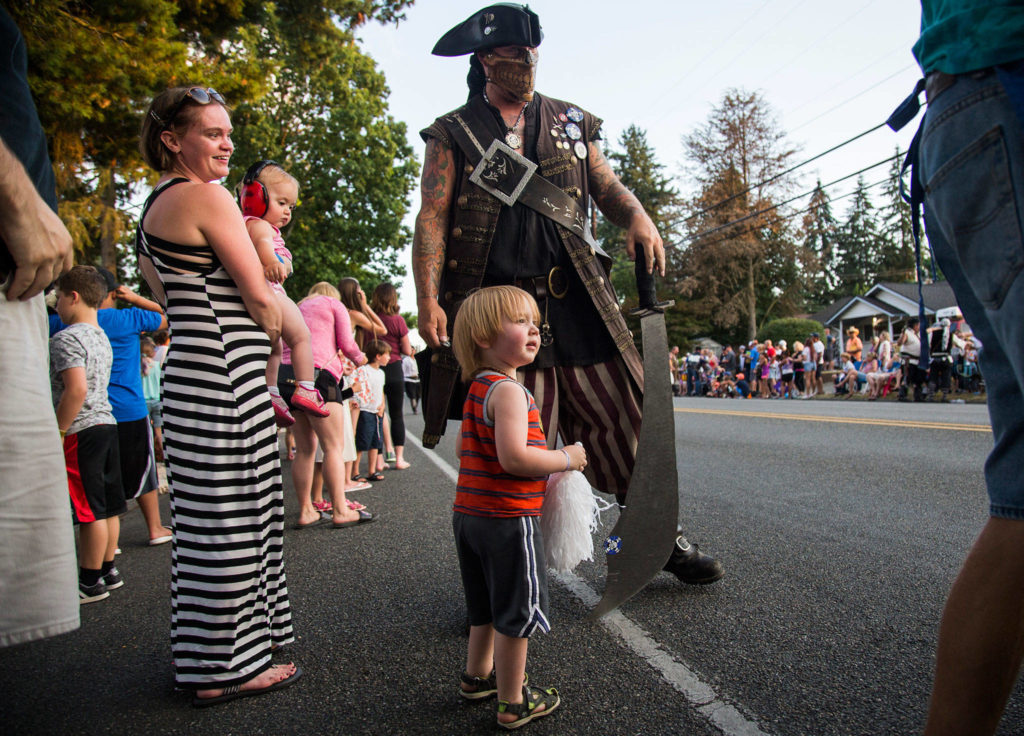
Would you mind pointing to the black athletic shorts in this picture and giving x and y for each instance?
(94, 473)
(138, 462)
(504, 573)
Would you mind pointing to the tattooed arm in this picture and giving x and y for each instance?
(428, 245)
(622, 207)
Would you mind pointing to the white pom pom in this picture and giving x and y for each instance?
(570, 515)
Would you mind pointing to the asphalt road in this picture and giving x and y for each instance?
(841, 525)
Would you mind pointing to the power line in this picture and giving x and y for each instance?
(745, 50)
(715, 47)
(817, 42)
(788, 216)
(851, 99)
(790, 170)
(793, 199)
(901, 48)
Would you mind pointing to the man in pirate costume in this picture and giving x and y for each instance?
(486, 220)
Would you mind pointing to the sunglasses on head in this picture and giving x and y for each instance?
(199, 95)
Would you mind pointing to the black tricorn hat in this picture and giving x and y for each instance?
(504, 24)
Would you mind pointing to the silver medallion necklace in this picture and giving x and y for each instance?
(511, 137)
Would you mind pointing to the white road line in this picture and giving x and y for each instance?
(701, 696)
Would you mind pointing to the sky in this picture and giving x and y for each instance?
(829, 71)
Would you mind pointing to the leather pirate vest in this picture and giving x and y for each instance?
(473, 218)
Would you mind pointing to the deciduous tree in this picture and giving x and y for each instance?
(739, 256)
(90, 67)
(326, 120)
(300, 87)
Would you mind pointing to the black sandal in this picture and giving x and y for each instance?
(483, 687)
(232, 692)
(533, 698)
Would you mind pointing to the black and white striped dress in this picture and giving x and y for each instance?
(229, 600)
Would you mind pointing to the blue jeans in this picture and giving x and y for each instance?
(972, 165)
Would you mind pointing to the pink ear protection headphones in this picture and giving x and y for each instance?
(253, 197)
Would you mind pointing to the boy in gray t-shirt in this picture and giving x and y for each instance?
(80, 360)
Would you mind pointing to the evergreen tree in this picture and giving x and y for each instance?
(637, 166)
(635, 163)
(897, 257)
(821, 232)
(859, 244)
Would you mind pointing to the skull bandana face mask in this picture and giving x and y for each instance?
(514, 70)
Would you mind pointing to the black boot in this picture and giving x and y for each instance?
(691, 565)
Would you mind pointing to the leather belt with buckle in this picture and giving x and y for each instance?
(936, 83)
(554, 283)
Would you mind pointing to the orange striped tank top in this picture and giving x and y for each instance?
(484, 488)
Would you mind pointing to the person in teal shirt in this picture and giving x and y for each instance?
(152, 369)
(971, 166)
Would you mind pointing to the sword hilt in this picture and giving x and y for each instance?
(645, 290)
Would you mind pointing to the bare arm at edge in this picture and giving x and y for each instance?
(35, 236)
(622, 207)
(430, 239)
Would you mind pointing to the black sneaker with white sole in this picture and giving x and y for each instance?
(92, 593)
(112, 580)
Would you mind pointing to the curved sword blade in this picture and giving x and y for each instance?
(647, 526)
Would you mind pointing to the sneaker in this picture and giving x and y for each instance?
(112, 580)
(390, 457)
(92, 593)
(310, 401)
(281, 414)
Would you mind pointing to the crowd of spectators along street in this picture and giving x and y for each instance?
(770, 369)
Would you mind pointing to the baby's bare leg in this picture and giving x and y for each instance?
(296, 335)
(274, 362)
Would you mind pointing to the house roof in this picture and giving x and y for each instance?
(938, 295)
(825, 315)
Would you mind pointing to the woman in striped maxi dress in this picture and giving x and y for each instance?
(229, 601)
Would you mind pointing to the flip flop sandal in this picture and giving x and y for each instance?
(376, 477)
(233, 692)
(358, 479)
(354, 505)
(533, 698)
(323, 506)
(483, 687)
(365, 517)
(324, 519)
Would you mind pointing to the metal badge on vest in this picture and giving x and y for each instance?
(509, 176)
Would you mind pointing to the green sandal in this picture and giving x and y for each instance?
(483, 687)
(533, 698)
